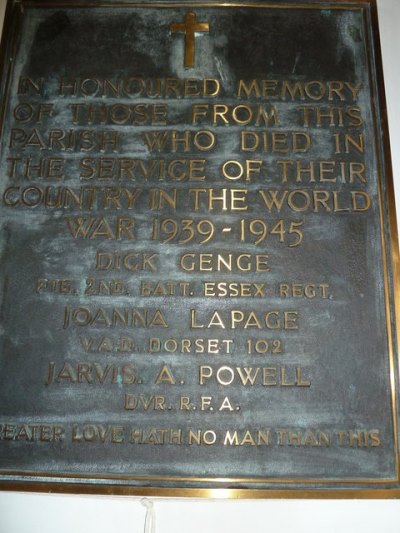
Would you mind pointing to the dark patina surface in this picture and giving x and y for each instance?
(323, 414)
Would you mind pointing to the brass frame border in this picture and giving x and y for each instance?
(82, 478)
(390, 255)
(390, 250)
(217, 494)
(167, 4)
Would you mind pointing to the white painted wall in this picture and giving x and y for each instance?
(38, 513)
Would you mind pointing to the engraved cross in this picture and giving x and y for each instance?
(189, 27)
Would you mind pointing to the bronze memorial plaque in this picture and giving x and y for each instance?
(198, 250)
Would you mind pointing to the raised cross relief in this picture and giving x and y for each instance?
(189, 27)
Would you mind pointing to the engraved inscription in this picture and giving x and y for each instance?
(193, 245)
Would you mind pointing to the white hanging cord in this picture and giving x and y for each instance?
(150, 520)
